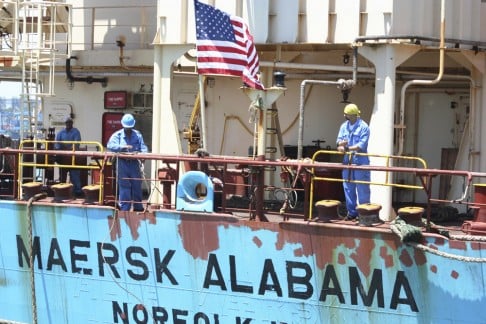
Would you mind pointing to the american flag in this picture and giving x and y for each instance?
(225, 46)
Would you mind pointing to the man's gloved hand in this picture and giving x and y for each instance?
(127, 148)
(343, 146)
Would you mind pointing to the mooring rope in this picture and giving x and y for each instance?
(409, 236)
(10, 322)
(115, 222)
(468, 238)
(31, 253)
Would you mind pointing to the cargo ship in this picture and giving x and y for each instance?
(244, 213)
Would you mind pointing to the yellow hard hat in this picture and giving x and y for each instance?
(351, 109)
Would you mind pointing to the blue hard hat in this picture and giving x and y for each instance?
(128, 121)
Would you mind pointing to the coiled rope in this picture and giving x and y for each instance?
(411, 235)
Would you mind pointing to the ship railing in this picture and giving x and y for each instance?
(302, 170)
(37, 160)
(136, 33)
(377, 159)
(169, 169)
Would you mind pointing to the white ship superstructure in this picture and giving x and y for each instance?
(417, 70)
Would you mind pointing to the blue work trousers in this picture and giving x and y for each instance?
(129, 184)
(356, 193)
(74, 177)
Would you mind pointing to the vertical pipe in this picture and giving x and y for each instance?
(259, 190)
(341, 83)
(184, 18)
(262, 123)
(93, 13)
(202, 102)
(422, 82)
(300, 138)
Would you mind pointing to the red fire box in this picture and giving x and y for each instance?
(116, 99)
(110, 124)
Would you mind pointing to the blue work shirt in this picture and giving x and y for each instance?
(72, 134)
(356, 134)
(119, 141)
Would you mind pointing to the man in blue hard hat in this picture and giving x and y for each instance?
(353, 138)
(129, 175)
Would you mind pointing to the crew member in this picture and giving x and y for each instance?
(353, 138)
(129, 175)
(69, 134)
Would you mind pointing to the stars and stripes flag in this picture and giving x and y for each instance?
(224, 45)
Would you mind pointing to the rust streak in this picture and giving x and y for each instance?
(341, 259)
(114, 227)
(440, 241)
(459, 245)
(454, 274)
(133, 221)
(299, 252)
(257, 241)
(387, 257)
(479, 246)
(362, 255)
(406, 258)
(420, 258)
(193, 229)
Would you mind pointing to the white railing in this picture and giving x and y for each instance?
(101, 27)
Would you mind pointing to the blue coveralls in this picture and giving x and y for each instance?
(72, 134)
(128, 171)
(356, 134)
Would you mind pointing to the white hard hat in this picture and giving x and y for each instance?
(128, 121)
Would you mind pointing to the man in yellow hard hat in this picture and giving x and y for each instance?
(353, 138)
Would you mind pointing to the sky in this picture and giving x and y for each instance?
(10, 89)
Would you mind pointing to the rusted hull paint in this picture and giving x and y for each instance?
(92, 266)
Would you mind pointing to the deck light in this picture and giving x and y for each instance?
(279, 79)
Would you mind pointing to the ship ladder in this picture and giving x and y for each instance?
(42, 36)
(275, 149)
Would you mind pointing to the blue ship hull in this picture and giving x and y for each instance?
(92, 265)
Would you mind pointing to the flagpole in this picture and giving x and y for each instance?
(202, 101)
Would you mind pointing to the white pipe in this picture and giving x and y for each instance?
(422, 82)
(320, 67)
(202, 102)
(341, 84)
(439, 90)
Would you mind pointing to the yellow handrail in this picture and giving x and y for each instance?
(388, 159)
(41, 160)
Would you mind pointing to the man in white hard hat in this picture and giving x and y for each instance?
(353, 138)
(128, 140)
